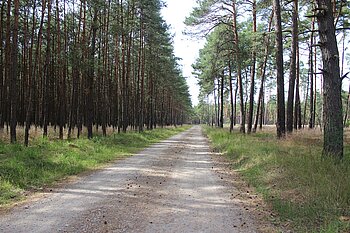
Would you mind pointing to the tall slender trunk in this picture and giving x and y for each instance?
(231, 98)
(29, 113)
(235, 106)
(2, 78)
(239, 68)
(222, 101)
(215, 106)
(297, 109)
(315, 84)
(139, 61)
(47, 73)
(311, 77)
(259, 112)
(342, 73)
(142, 98)
(281, 126)
(292, 74)
(91, 76)
(14, 73)
(61, 78)
(8, 58)
(252, 75)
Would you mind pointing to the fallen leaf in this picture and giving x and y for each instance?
(344, 218)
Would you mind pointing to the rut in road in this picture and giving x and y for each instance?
(168, 187)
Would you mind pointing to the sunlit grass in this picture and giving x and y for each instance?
(46, 161)
(305, 188)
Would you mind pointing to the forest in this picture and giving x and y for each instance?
(283, 63)
(94, 106)
(78, 65)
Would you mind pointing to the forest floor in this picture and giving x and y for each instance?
(176, 185)
(307, 191)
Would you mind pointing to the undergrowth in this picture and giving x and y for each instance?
(45, 161)
(306, 189)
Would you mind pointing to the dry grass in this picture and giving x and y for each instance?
(48, 160)
(304, 187)
(53, 134)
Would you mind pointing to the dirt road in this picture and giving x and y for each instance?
(170, 187)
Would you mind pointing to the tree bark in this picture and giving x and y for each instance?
(311, 77)
(14, 73)
(33, 74)
(297, 109)
(260, 107)
(281, 126)
(252, 75)
(2, 76)
(332, 104)
(239, 68)
(231, 99)
(222, 101)
(47, 73)
(292, 74)
(91, 76)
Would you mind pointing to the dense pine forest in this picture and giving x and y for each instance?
(280, 63)
(92, 93)
(75, 65)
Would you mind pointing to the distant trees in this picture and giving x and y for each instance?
(242, 53)
(73, 64)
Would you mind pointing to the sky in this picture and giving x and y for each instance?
(185, 47)
(188, 48)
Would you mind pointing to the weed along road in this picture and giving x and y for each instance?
(172, 186)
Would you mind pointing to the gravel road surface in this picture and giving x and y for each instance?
(172, 186)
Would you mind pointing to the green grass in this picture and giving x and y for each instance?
(46, 161)
(301, 185)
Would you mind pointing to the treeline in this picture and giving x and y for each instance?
(246, 79)
(83, 63)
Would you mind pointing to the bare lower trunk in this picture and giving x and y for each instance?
(292, 75)
(332, 114)
(281, 128)
(14, 73)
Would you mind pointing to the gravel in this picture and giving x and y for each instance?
(172, 186)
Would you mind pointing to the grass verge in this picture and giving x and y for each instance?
(309, 192)
(46, 161)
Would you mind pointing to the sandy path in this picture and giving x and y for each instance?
(169, 187)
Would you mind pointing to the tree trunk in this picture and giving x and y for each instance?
(292, 74)
(14, 73)
(259, 112)
(231, 99)
(235, 106)
(239, 69)
(29, 112)
(2, 76)
(61, 78)
(281, 126)
(47, 73)
(297, 109)
(222, 101)
(252, 75)
(332, 104)
(91, 76)
(311, 77)
(142, 98)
